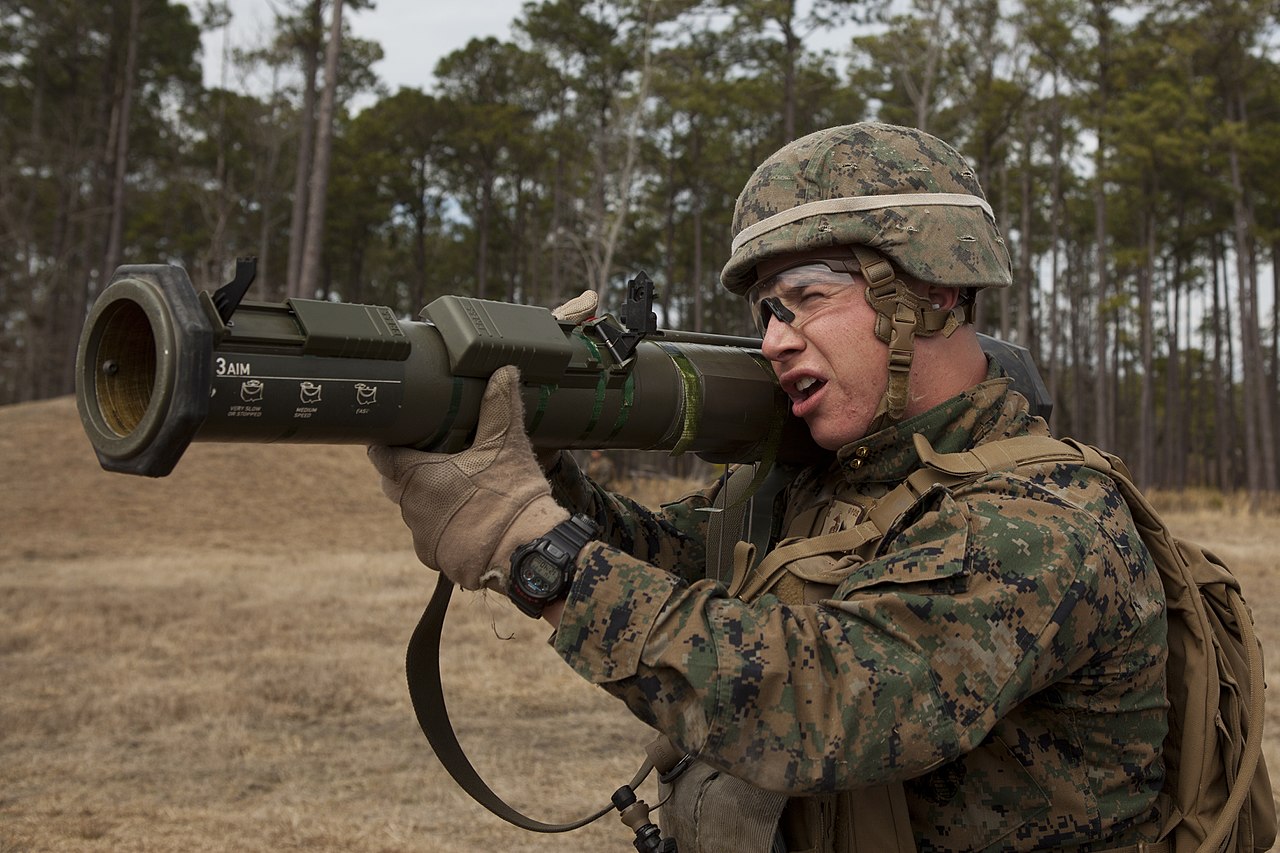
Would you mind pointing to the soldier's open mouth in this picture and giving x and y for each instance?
(807, 386)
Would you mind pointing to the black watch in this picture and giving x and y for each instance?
(542, 570)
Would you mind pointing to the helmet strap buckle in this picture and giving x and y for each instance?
(875, 268)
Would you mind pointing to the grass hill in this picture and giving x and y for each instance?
(213, 661)
(251, 497)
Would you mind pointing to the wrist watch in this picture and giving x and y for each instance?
(542, 570)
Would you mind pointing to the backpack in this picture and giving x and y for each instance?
(1215, 773)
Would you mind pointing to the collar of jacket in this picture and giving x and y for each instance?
(988, 410)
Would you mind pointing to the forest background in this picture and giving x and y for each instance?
(1130, 151)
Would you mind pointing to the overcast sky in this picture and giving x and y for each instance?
(414, 34)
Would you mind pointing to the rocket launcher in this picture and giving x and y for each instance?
(160, 365)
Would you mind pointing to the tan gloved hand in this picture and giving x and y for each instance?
(579, 308)
(469, 511)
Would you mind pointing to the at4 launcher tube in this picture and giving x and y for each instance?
(161, 365)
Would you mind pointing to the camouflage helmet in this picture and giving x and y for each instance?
(906, 194)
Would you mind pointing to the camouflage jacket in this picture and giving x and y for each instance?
(1002, 654)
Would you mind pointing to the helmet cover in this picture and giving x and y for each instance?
(900, 191)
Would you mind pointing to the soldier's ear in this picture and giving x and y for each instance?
(942, 298)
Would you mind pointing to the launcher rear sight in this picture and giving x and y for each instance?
(637, 317)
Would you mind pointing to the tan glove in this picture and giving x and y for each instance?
(578, 309)
(469, 511)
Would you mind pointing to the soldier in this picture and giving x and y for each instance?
(983, 671)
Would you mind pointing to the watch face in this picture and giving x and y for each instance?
(539, 577)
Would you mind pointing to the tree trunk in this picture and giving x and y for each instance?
(1006, 298)
(631, 156)
(309, 275)
(699, 290)
(1259, 438)
(556, 226)
(1274, 378)
(921, 93)
(482, 230)
(124, 108)
(1077, 282)
(671, 179)
(1176, 415)
(1223, 370)
(790, 49)
(1055, 238)
(1102, 370)
(265, 200)
(1024, 324)
(1146, 405)
(1102, 433)
(515, 281)
(306, 150)
(420, 242)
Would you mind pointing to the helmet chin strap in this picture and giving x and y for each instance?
(901, 315)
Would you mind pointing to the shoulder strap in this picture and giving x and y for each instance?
(945, 469)
(881, 517)
(422, 668)
(1009, 453)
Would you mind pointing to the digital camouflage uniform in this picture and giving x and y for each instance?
(1002, 652)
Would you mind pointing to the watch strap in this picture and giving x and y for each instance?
(572, 536)
(561, 545)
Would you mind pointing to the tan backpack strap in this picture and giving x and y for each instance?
(883, 514)
(881, 517)
(744, 557)
(1097, 460)
(1007, 454)
(945, 469)
(888, 509)
(775, 562)
(1252, 753)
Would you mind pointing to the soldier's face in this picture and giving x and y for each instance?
(826, 356)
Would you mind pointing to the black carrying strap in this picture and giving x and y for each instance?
(422, 668)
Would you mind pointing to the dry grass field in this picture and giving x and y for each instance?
(214, 661)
